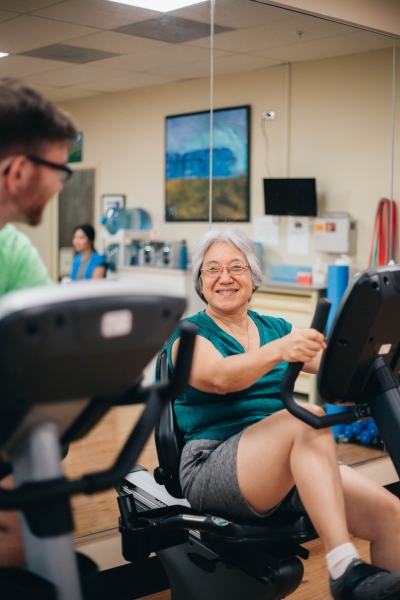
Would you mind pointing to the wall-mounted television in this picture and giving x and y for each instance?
(290, 197)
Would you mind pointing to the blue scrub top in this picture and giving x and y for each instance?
(96, 260)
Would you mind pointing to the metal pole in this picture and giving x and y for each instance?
(51, 558)
(211, 115)
(391, 242)
(385, 409)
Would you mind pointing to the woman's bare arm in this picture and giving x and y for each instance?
(11, 547)
(99, 272)
(213, 373)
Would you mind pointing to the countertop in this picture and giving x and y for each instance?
(273, 285)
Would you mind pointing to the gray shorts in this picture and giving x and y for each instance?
(209, 480)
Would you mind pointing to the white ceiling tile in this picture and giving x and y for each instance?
(60, 94)
(5, 15)
(234, 13)
(241, 62)
(69, 76)
(123, 63)
(313, 28)
(127, 81)
(23, 66)
(264, 36)
(334, 46)
(116, 42)
(190, 71)
(280, 33)
(197, 12)
(96, 13)
(173, 54)
(226, 64)
(27, 32)
(25, 6)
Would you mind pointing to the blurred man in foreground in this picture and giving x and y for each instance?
(34, 141)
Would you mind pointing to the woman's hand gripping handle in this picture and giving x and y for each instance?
(319, 321)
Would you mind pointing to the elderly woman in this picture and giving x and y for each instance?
(247, 457)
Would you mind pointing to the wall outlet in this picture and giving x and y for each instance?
(268, 115)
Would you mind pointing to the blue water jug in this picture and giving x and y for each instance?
(117, 218)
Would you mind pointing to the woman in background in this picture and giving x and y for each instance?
(87, 264)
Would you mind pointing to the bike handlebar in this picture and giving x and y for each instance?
(354, 413)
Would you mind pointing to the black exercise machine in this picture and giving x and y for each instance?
(67, 356)
(360, 366)
(214, 557)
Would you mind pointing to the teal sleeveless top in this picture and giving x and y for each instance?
(202, 415)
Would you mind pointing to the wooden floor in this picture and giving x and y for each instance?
(96, 451)
(315, 581)
(99, 449)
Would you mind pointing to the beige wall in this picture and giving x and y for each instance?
(352, 170)
(340, 133)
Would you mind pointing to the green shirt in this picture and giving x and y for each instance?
(20, 263)
(202, 415)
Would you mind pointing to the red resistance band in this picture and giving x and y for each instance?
(384, 239)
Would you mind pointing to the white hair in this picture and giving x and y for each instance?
(233, 237)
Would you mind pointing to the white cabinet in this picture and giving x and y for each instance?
(296, 304)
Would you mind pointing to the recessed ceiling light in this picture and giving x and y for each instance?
(3, 54)
(160, 5)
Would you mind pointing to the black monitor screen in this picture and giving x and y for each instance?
(290, 197)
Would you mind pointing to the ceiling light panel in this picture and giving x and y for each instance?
(173, 30)
(160, 5)
(70, 54)
(3, 54)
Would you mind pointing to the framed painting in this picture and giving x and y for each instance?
(76, 150)
(111, 200)
(187, 165)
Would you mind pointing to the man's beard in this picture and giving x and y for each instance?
(34, 216)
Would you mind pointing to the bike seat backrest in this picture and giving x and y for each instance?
(169, 439)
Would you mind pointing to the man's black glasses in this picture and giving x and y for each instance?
(64, 171)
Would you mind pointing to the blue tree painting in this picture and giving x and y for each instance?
(188, 165)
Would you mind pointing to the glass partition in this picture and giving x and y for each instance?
(318, 98)
(322, 98)
(330, 89)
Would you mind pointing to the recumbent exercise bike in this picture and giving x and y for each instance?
(215, 557)
(67, 356)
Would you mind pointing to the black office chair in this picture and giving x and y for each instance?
(262, 555)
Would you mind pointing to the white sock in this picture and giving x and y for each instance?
(339, 559)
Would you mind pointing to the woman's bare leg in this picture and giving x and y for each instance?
(281, 451)
(373, 514)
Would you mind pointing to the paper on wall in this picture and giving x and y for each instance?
(298, 235)
(266, 230)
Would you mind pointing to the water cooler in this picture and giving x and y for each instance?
(163, 255)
